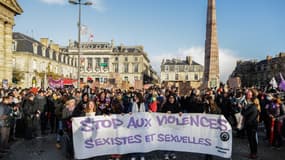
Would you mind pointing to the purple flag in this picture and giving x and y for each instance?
(282, 83)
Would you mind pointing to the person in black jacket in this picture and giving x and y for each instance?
(171, 106)
(79, 109)
(30, 113)
(250, 114)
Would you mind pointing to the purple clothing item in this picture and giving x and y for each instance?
(282, 85)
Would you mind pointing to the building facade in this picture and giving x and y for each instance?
(259, 73)
(8, 10)
(174, 71)
(33, 62)
(106, 65)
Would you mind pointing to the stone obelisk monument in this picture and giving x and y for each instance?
(211, 66)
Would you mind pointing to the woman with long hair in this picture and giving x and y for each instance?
(171, 107)
(103, 104)
(138, 106)
(90, 109)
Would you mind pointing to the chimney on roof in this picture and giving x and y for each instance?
(268, 58)
(44, 41)
(189, 60)
(55, 47)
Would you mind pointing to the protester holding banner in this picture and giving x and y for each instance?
(171, 107)
(250, 114)
(79, 109)
(103, 104)
(90, 109)
(117, 108)
(117, 105)
(67, 123)
(138, 106)
(211, 108)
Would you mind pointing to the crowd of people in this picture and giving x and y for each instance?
(34, 113)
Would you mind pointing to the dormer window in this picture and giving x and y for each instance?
(62, 58)
(166, 68)
(186, 68)
(44, 51)
(14, 46)
(50, 53)
(35, 48)
(56, 57)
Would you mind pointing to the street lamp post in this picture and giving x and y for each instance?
(79, 3)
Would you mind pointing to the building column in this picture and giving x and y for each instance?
(2, 51)
(8, 51)
(93, 65)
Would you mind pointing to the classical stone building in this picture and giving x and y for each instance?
(259, 73)
(8, 10)
(175, 71)
(33, 62)
(211, 72)
(106, 65)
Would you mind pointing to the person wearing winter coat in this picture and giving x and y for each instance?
(171, 107)
(41, 103)
(138, 106)
(250, 114)
(30, 113)
(276, 111)
(79, 109)
(4, 124)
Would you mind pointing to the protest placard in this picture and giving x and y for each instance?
(145, 132)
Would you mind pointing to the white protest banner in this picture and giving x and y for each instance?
(145, 132)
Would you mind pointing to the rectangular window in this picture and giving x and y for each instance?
(176, 76)
(126, 59)
(105, 64)
(196, 77)
(97, 65)
(116, 58)
(126, 67)
(136, 58)
(176, 68)
(166, 77)
(186, 77)
(167, 68)
(98, 60)
(89, 64)
(136, 68)
(116, 67)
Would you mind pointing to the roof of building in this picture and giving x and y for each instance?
(24, 42)
(178, 62)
